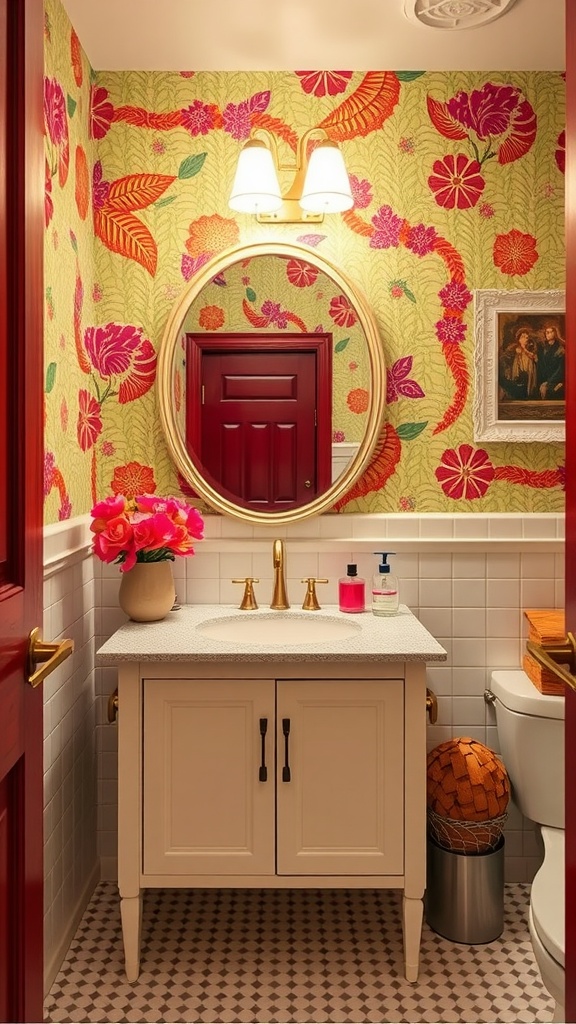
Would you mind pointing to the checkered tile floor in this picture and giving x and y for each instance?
(296, 956)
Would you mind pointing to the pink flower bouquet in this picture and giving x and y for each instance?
(144, 529)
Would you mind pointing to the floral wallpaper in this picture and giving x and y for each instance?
(458, 184)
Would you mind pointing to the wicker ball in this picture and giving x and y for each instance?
(466, 781)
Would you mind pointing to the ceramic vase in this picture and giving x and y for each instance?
(147, 591)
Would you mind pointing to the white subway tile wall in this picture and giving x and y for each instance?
(466, 576)
(71, 861)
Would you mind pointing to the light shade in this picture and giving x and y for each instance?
(255, 188)
(326, 186)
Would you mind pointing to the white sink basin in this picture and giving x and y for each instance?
(278, 629)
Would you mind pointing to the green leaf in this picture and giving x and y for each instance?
(251, 295)
(408, 431)
(191, 166)
(71, 104)
(165, 201)
(341, 345)
(50, 377)
(408, 76)
(409, 295)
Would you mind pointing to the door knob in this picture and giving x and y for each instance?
(46, 655)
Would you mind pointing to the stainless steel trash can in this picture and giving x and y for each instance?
(465, 893)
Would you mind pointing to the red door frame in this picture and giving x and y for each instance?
(236, 341)
(570, 900)
(21, 361)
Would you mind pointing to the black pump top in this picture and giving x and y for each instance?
(352, 570)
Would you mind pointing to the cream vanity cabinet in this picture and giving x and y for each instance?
(270, 768)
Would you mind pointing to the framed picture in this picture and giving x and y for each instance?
(519, 366)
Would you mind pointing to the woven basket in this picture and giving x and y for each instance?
(465, 836)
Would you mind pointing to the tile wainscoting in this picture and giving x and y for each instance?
(71, 863)
(467, 577)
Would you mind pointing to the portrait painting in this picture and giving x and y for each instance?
(520, 366)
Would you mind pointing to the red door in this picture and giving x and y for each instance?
(570, 964)
(21, 240)
(261, 428)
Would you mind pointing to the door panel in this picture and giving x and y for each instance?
(341, 810)
(258, 415)
(21, 361)
(206, 809)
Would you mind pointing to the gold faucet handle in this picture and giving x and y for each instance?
(310, 600)
(249, 600)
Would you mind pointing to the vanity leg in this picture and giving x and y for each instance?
(412, 914)
(131, 914)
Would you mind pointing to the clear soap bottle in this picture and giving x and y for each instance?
(385, 592)
(351, 591)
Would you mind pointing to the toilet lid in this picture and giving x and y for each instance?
(547, 895)
(517, 692)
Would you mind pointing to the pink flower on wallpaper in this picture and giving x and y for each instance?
(190, 264)
(48, 203)
(456, 181)
(342, 312)
(361, 192)
(487, 111)
(89, 426)
(455, 295)
(486, 210)
(406, 145)
(49, 466)
(398, 384)
(107, 448)
(100, 188)
(55, 112)
(465, 472)
(198, 118)
(421, 239)
(450, 329)
(65, 509)
(387, 227)
(300, 273)
(560, 153)
(275, 314)
(101, 112)
(324, 83)
(338, 436)
(515, 253)
(236, 120)
(158, 146)
(120, 351)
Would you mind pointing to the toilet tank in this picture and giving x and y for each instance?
(531, 735)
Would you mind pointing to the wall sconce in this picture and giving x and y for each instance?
(320, 184)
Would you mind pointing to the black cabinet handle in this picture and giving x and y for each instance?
(286, 734)
(263, 771)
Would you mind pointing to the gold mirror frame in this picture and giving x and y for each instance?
(171, 339)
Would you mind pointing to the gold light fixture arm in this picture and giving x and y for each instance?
(291, 212)
(556, 657)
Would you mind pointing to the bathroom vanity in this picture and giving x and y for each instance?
(265, 749)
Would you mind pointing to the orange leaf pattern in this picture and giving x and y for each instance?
(366, 109)
(124, 234)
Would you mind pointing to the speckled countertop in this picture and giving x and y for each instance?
(178, 637)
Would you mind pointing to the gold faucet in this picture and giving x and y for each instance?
(279, 595)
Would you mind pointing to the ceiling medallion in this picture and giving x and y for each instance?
(455, 14)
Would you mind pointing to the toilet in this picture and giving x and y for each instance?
(531, 737)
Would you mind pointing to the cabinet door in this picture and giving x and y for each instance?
(206, 809)
(340, 805)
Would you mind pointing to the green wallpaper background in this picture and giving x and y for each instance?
(458, 185)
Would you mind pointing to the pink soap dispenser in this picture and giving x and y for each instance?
(351, 591)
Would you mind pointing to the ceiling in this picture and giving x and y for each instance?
(276, 35)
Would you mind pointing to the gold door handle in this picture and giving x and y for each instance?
(431, 705)
(48, 656)
(555, 657)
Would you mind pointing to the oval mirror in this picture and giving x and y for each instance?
(271, 383)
